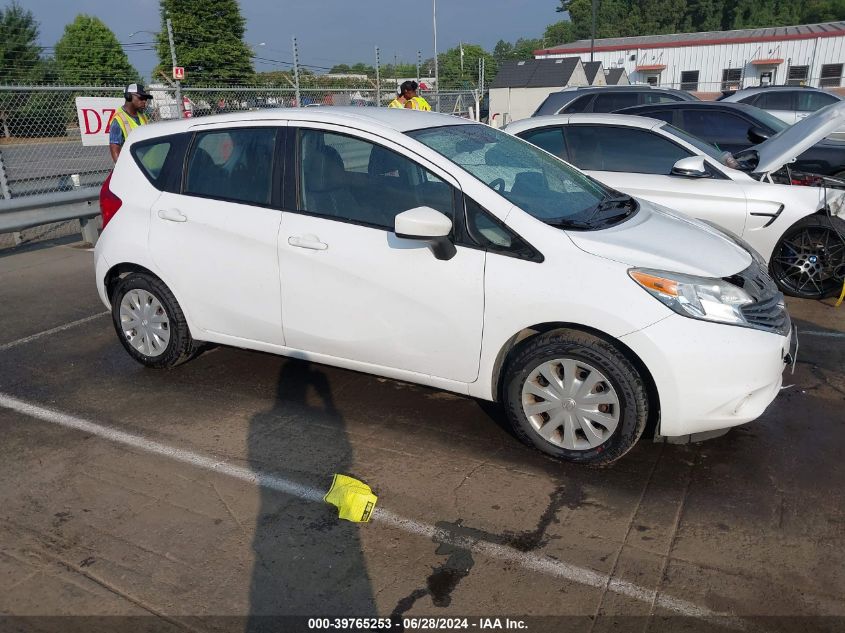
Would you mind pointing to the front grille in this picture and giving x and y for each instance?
(768, 311)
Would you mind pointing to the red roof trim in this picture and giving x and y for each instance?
(651, 67)
(774, 61)
(701, 42)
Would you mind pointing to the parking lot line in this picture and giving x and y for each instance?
(822, 333)
(532, 562)
(55, 330)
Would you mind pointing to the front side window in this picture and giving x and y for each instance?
(609, 148)
(351, 179)
(716, 127)
(811, 101)
(539, 184)
(235, 164)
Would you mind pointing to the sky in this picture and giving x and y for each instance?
(328, 32)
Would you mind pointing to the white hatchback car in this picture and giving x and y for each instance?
(795, 229)
(443, 252)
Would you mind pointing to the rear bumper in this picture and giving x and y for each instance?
(710, 376)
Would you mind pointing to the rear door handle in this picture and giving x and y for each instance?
(172, 215)
(307, 241)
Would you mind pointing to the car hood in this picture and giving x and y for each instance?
(657, 237)
(789, 143)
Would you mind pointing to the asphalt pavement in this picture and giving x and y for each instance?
(191, 499)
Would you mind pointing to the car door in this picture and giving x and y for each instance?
(351, 288)
(215, 239)
(639, 162)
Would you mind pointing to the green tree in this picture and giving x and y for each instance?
(209, 41)
(558, 33)
(89, 53)
(450, 66)
(20, 56)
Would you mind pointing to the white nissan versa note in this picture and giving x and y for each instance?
(439, 251)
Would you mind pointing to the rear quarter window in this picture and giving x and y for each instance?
(160, 160)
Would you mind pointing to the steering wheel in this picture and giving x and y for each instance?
(498, 185)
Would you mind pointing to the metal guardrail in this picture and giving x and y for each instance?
(17, 214)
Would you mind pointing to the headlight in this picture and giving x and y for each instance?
(696, 297)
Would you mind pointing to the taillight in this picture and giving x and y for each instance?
(109, 202)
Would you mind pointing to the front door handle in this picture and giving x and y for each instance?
(172, 215)
(307, 241)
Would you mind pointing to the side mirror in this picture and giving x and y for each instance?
(757, 135)
(691, 167)
(425, 224)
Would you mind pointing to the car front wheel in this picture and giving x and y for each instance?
(809, 258)
(149, 322)
(576, 397)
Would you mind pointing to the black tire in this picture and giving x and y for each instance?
(180, 346)
(598, 353)
(806, 258)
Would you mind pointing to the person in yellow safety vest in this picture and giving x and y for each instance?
(408, 98)
(128, 117)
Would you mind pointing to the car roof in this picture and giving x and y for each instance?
(747, 92)
(686, 105)
(569, 119)
(396, 119)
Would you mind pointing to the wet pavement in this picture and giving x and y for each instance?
(749, 526)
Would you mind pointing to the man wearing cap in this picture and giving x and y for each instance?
(128, 117)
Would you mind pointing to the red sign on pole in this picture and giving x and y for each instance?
(178, 72)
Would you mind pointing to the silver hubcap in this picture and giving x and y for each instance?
(571, 404)
(144, 322)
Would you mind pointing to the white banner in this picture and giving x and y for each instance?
(95, 115)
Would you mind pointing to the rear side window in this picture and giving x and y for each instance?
(781, 100)
(660, 97)
(608, 148)
(579, 105)
(235, 164)
(549, 139)
(151, 158)
(612, 101)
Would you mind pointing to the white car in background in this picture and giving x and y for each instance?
(788, 103)
(442, 252)
(790, 226)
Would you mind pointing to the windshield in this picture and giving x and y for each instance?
(525, 175)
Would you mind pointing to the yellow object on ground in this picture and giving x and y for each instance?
(354, 499)
(841, 296)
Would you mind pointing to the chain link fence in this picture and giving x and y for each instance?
(41, 148)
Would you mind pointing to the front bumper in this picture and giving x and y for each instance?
(710, 376)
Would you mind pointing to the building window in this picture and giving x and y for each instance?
(731, 78)
(689, 80)
(831, 75)
(797, 75)
(652, 80)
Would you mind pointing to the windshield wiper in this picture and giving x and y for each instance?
(613, 202)
(564, 223)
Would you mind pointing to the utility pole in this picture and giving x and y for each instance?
(179, 102)
(378, 80)
(296, 71)
(419, 63)
(593, 34)
(436, 65)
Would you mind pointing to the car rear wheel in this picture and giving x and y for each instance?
(576, 397)
(809, 257)
(149, 322)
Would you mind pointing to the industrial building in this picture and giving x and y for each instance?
(710, 62)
